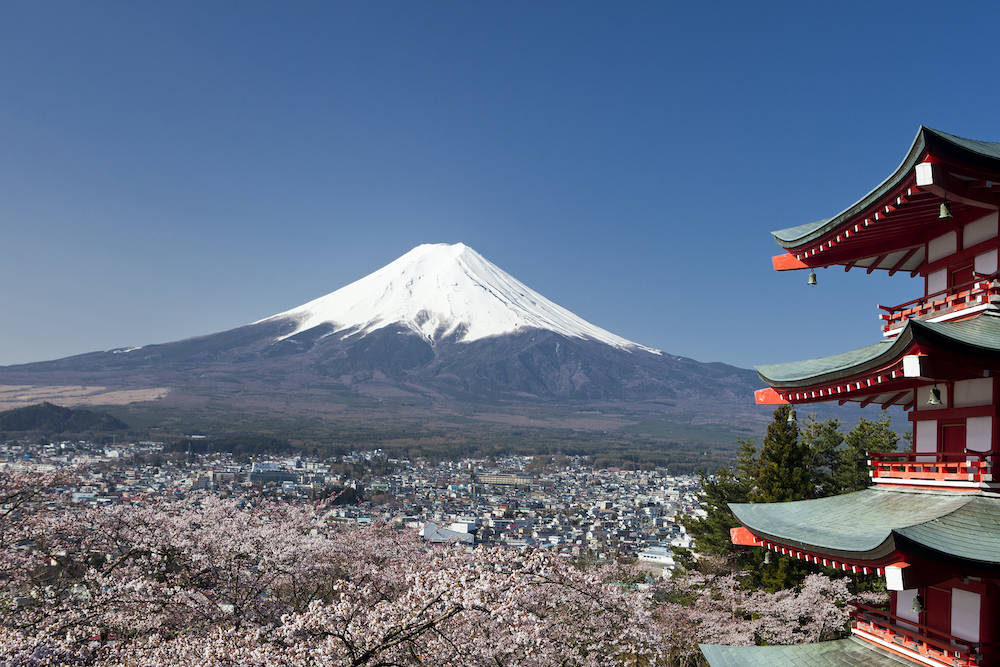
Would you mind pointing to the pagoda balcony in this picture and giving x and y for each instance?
(968, 471)
(915, 641)
(982, 293)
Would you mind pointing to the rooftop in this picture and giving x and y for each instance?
(985, 154)
(870, 524)
(841, 653)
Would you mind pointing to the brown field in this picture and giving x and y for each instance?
(17, 396)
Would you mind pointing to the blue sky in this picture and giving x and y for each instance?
(175, 169)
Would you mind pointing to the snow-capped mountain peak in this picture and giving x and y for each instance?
(443, 290)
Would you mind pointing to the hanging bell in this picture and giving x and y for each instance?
(918, 604)
(812, 278)
(767, 558)
(791, 417)
(935, 397)
(945, 211)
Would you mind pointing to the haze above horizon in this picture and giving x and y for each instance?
(176, 170)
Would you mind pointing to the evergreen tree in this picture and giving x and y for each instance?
(793, 463)
(783, 465)
(851, 469)
(823, 439)
(727, 486)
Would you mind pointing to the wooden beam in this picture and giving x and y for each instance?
(865, 403)
(787, 262)
(953, 413)
(740, 536)
(895, 398)
(935, 178)
(768, 396)
(910, 253)
(874, 265)
(961, 255)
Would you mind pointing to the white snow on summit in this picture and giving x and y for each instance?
(439, 290)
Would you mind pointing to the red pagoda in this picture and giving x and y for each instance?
(930, 523)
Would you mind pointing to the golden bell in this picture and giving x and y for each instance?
(812, 278)
(945, 211)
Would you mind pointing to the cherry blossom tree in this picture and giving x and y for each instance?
(208, 581)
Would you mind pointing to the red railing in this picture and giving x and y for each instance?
(976, 467)
(929, 643)
(978, 292)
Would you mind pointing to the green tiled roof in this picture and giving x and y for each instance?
(981, 335)
(819, 368)
(866, 524)
(926, 137)
(982, 332)
(973, 532)
(841, 653)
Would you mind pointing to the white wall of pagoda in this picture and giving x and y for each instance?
(954, 244)
(966, 614)
(928, 419)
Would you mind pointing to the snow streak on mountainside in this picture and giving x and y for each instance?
(441, 291)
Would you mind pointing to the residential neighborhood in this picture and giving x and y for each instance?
(558, 504)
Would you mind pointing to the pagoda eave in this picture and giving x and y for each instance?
(976, 164)
(854, 563)
(888, 373)
(878, 526)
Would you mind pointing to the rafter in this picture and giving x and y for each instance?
(865, 403)
(895, 398)
(912, 251)
(874, 265)
(938, 179)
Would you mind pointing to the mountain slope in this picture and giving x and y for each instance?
(444, 291)
(440, 331)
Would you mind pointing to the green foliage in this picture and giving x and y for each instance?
(242, 447)
(794, 462)
(851, 473)
(53, 419)
(712, 532)
(683, 559)
(784, 470)
(823, 440)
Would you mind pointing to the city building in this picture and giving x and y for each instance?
(930, 524)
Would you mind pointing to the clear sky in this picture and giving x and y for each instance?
(175, 169)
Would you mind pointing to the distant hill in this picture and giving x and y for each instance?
(50, 418)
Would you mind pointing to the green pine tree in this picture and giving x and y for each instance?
(794, 463)
(783, 465)
(823, 440)
(711, 533)
(851, 470)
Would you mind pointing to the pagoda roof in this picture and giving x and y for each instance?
(840, 653)
(870, 524)
(978, 335)
(983, 154)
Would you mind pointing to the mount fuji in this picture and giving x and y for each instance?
(440, 291)
(435, 331)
